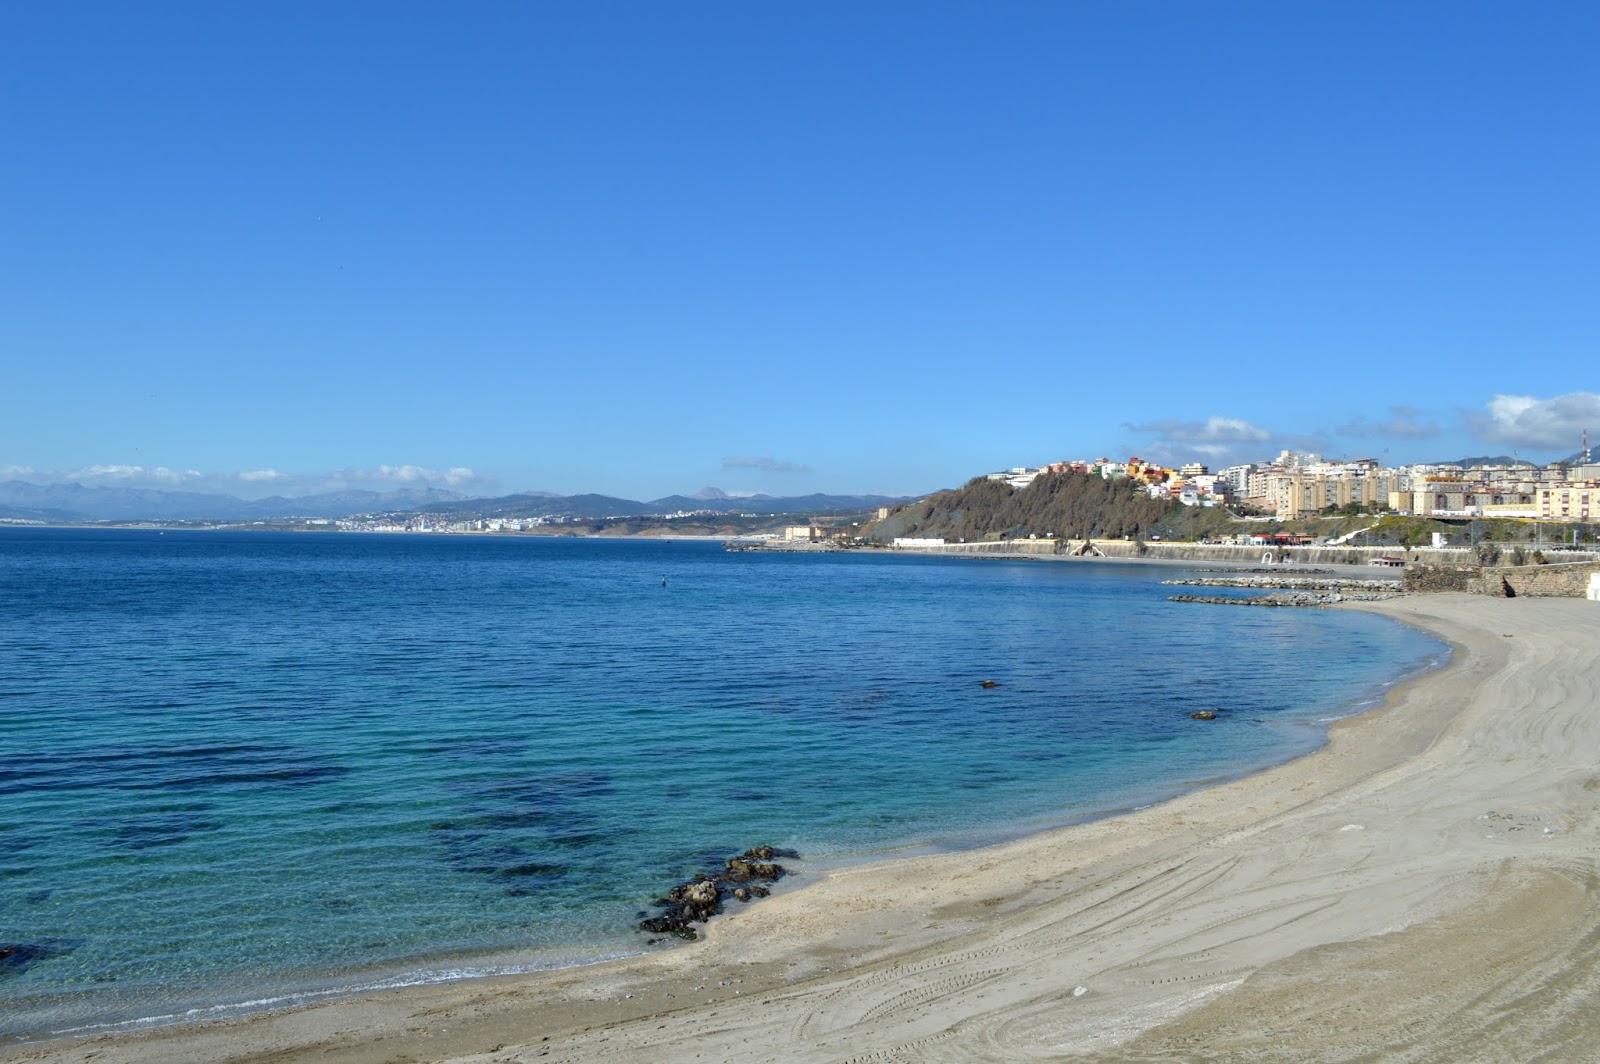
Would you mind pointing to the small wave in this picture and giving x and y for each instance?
(424, 977)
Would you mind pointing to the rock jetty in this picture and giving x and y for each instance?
(1286, 598)
(1293, 583)
(743, 878)
(1299, 590)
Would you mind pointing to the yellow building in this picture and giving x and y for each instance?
(1568, 501)
(1298, 494)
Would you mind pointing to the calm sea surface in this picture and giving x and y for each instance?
(240, 769)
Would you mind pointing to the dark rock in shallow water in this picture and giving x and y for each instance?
(18, 957)
(1203, 714)
(767, 853)
(701, 897)
(743, 870)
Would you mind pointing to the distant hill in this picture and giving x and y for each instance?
(78, 502)
(70, 503)
(767, 504)
(344, 503)
(1071, 505)
(1486, 460)
(674, 503)
(588, 507)
(49, 517)
(541, 504)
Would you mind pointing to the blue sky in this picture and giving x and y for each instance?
(640, 248)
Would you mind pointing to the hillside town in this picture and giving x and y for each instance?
(1298, 484)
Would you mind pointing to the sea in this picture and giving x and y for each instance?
(243, 770)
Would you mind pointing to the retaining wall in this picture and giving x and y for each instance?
(1569, 580)
(1431, 578)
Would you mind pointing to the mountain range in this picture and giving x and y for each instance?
(72, 503)
(542, 504)
(1576, 458)
(20, 500)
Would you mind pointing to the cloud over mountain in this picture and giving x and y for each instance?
(256, 483)
(1527, 421)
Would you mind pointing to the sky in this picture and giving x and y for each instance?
(643, 248)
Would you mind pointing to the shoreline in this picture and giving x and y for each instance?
(979, 954)
(466, 969)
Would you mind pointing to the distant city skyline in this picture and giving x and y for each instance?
(639, 250)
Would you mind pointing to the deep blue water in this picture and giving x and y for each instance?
(240, 767)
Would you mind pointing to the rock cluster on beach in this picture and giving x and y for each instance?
(701, 898)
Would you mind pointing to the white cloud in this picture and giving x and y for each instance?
(410, 474)
(1527, 421)
(1218, 440)
(255, 483)
(1213, 430)
(123, 472)
(130, 474)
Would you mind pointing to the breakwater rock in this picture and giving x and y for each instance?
(1287, 598)
(743, 878)
(1293, 583)
(1270, 571)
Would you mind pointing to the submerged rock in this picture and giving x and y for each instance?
(18, 957)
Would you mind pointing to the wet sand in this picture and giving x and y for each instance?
(1425, 888)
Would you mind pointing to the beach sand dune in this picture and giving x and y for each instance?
(1422, 889)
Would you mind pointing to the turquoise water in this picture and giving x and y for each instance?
(242, 768)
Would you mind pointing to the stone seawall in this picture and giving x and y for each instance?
(1428, 579)
(1560, 580)
(1535, 581)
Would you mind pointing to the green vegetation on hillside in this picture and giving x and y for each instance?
(1071, 505)
(1075, 506)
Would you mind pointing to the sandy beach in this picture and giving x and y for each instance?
(1424, 888)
